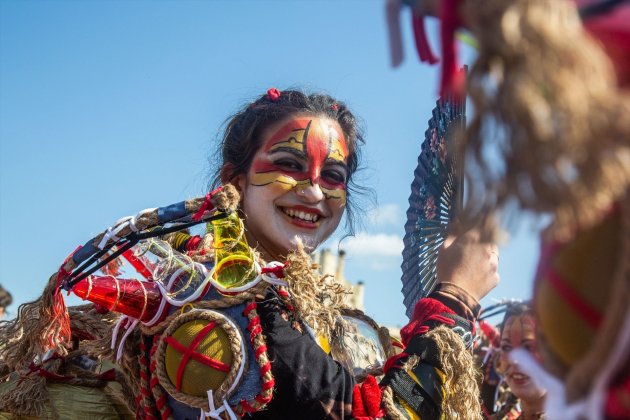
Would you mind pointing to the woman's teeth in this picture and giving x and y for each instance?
(519, 376)
(309, 217)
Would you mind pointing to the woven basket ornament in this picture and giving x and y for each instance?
(201, 350)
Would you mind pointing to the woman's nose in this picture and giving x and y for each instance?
(310, 193)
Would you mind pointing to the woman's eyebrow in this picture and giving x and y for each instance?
(291, 150)
(330, 161)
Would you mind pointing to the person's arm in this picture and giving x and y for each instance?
(467, 271)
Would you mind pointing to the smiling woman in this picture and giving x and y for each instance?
(519, 331)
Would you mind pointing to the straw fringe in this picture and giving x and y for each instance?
(564, 143)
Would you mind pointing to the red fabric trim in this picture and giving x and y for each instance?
(389, 363)
(588, 313)
(138, 264)
(425, 309)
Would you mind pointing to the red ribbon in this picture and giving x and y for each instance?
(206, 205)
(422, 44)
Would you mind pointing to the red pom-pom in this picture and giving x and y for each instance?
(273, 95)
(366, 400)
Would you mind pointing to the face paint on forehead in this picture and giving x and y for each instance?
(519, 328)
(317, 140)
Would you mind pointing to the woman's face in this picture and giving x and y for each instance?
(519, 331)
(296, 185)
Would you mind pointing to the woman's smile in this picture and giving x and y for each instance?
(302, 216)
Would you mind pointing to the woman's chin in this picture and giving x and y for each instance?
(308, 242)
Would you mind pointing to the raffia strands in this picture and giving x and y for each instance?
(30, 398)
(227, 199)
(318, 300)
(461, 387)
(547, 108)
(35, 330)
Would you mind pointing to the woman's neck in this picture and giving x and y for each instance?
(532, 408)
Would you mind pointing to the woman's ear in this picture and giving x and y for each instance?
(239, 182)
(228, 177)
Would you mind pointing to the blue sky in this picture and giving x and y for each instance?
(110, 107)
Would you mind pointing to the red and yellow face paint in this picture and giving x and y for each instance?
(305, 151)
(519, 331)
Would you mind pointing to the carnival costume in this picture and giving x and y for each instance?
(213, 332)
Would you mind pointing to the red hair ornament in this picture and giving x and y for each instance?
(273, 95)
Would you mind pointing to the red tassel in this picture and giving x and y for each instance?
(452, 81)
(59, 316)
(422, 44)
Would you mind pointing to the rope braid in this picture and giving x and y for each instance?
(159, 396)
(262, 358)
(550, 110)
(146, 403)
(389, 405)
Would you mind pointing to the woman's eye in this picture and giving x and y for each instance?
(288, 164)
(334, 176)
(506, 348)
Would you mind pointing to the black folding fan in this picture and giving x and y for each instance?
(436, 195)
